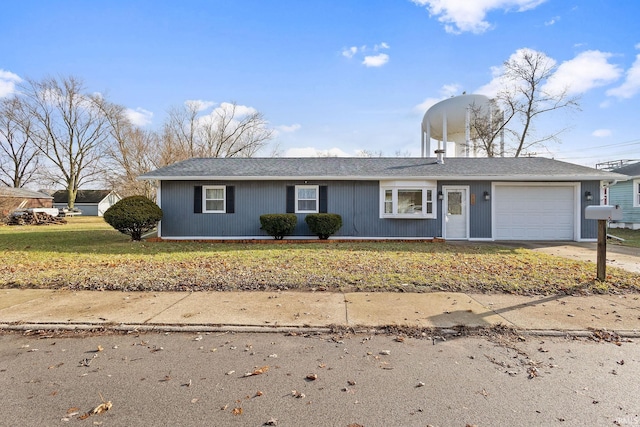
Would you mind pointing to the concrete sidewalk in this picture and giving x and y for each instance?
(277, 311)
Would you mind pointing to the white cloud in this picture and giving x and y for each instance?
(8, 81)
(288, 128)
(552, 21)
(376, 60)
(460, 16)
(226, 108)
(349, 52)
(139, 116)
(446, 91)
(314, 152)
(586, 71)
(492, 88)
(631, 85)
(601, 133)
(199, 104)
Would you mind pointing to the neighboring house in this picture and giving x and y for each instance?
(90, 202)
(397, 198)
(627, 195)
(19, 198)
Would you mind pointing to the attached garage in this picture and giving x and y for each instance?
(535, 212)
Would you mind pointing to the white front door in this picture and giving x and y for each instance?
(456, 213)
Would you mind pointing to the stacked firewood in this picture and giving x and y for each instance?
(34, 218)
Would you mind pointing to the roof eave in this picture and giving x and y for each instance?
(389, 177)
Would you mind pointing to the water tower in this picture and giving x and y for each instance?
(449, 121)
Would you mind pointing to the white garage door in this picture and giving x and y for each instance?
(534, 212)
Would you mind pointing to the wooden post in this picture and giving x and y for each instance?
(602, 250)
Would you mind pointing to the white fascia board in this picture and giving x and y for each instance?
(527, 178)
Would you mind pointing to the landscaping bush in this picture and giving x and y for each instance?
(324, 225)
(278, 225)
(133, 216)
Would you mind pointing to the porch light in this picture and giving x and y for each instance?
(487, 196)
(440, 195)
(588, 196)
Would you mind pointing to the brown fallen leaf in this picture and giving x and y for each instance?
(312, 377)
(100, 348)
(72, 410)
(237, 411)
(103, 407)
(258, 371)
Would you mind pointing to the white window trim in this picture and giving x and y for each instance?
(636, 193)
(395, 186)
(317, 199)
(204, 198)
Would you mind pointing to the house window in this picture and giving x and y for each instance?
(214, 199)
(306, 199)
(407, 199)
(636, 193)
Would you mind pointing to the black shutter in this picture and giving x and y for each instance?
(323, 199)
(231, 199)
(197, 199)
(291, 199)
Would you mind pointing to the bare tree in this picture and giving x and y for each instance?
(487, 124)
(69, 128)
(18, 154)
(229, 131)
(523, 98)
(130, 152)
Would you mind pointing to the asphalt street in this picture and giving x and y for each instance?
(341, 379)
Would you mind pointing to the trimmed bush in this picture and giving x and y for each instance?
(133, 216)
(278, 225)
(324, 225)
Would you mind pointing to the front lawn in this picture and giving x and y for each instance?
(87, 254)
(631, 237)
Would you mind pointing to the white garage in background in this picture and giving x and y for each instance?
(540, 211)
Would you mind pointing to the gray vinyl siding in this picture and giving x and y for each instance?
(87, 209)
(356, 201)
(589, 227)
(622, 194)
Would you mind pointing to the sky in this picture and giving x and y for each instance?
(335, 77)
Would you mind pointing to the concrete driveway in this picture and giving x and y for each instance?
(623, 257)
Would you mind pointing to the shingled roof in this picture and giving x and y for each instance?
(83, 196)
(22, 193)
(632, 170)
(376, 168)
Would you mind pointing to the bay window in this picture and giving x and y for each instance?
(410, 199)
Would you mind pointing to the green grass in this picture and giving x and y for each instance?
(631, 237)
(87, 254)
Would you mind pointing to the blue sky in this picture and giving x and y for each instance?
(336, 76)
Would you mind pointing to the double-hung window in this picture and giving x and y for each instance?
(214, 199)
(407, 199)
(636, 193)
(306, 199)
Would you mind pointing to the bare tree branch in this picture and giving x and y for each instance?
(522, 99)
(69, 129)
(18, 155)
